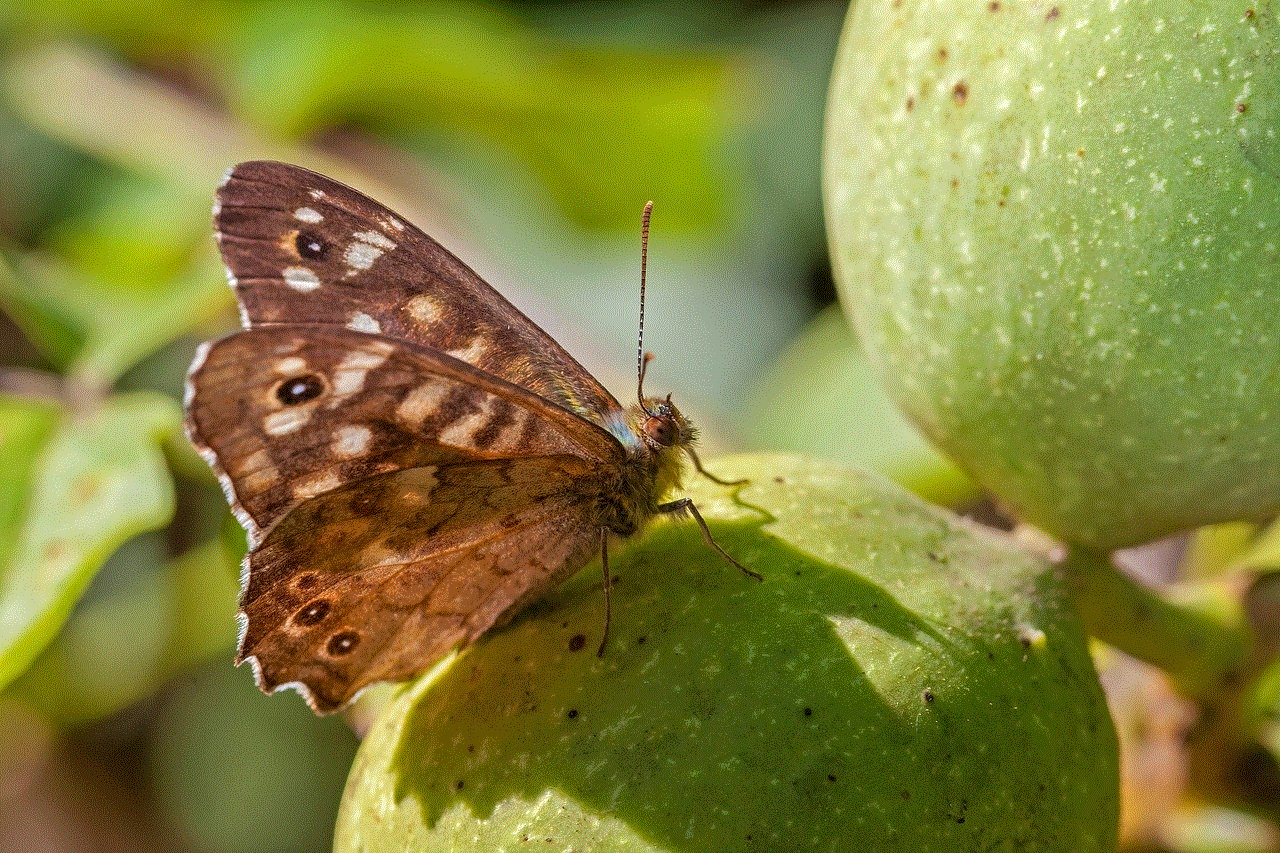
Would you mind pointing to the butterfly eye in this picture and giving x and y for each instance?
(661, 429)
(310, 245)
(299, 389)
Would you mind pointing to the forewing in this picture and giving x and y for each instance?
(286, 413)
(379, 579)
(302, 248)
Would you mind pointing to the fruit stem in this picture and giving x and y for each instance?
(1203, 655)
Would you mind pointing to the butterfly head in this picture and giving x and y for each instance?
(662, 425)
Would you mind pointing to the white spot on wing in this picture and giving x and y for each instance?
(360, 256)
(285, 421)
(226, 177)
(423, 309)
(348, 376)
(373, 238)
(472, 351)
(291, 365)
(301, 279)
(420, 402)
(460, 431)
(316, 194)
(366, 247)
(393, 223)
(349, 441)
(317, 484)
(308, 214)
(260, 480)
(362, 322)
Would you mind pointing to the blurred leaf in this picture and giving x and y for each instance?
(98, 481)
(57, 331)
(820, 398)
(1263, 552)
(149, 29)
(651, 121)
(136, 123)
(25, 426)
(134, 230)
(205, 586)
(238, 771)
(1216, 547)
(144, 621)
(117, 326)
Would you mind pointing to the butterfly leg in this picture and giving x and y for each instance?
(697, 463)
(608, 584)
(684, 506)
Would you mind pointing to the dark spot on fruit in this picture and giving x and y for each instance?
(928, 696)
(942, 54)
(573, 714)
(1240, 108)
(576, 642)
(1053, 12)
(342, 643)
(808, 712)
(311, 246)
(313, 613)
(911, 104)
(459, 785)
(993, 6)
(960, 93)
(831, 777)
(299, 389)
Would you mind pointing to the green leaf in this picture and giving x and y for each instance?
(462, 71)
(25, 426)
(145, 621)
(99, 480)
(50, 292)
(56, 330)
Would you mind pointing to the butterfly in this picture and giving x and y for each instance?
(413, 460)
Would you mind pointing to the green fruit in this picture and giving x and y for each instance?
(1056, 228)
(899, 681)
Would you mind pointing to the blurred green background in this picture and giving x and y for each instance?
(526, 137)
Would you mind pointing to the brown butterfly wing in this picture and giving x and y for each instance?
(419, 499)
(368, 406)
(379, 579)
(303, 248)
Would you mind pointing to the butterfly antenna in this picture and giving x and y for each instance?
(642, 357)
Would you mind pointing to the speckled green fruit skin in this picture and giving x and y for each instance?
(897, 682)
(1055, 226)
